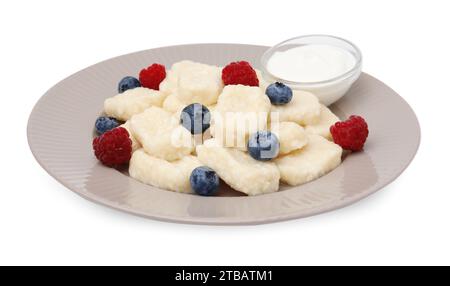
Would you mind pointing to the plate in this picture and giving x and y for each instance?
(60, 132)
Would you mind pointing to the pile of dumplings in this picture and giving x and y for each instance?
(165, 153)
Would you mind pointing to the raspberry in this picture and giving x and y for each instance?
(152, 76)
(350, 134)
(239, 73)
(113, 147)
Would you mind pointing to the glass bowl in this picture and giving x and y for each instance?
(330, 90)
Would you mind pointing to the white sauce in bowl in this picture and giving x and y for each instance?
(311, 63)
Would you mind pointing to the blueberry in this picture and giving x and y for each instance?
(204, 181)
(279, 93)
(196, 118)
(128, 82)
(263, 145)
(104, 123)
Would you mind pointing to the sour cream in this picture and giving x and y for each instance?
(311, 63)
(324, 65)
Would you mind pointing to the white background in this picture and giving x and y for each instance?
(405, 44)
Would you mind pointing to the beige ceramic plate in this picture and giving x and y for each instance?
(60, 131)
